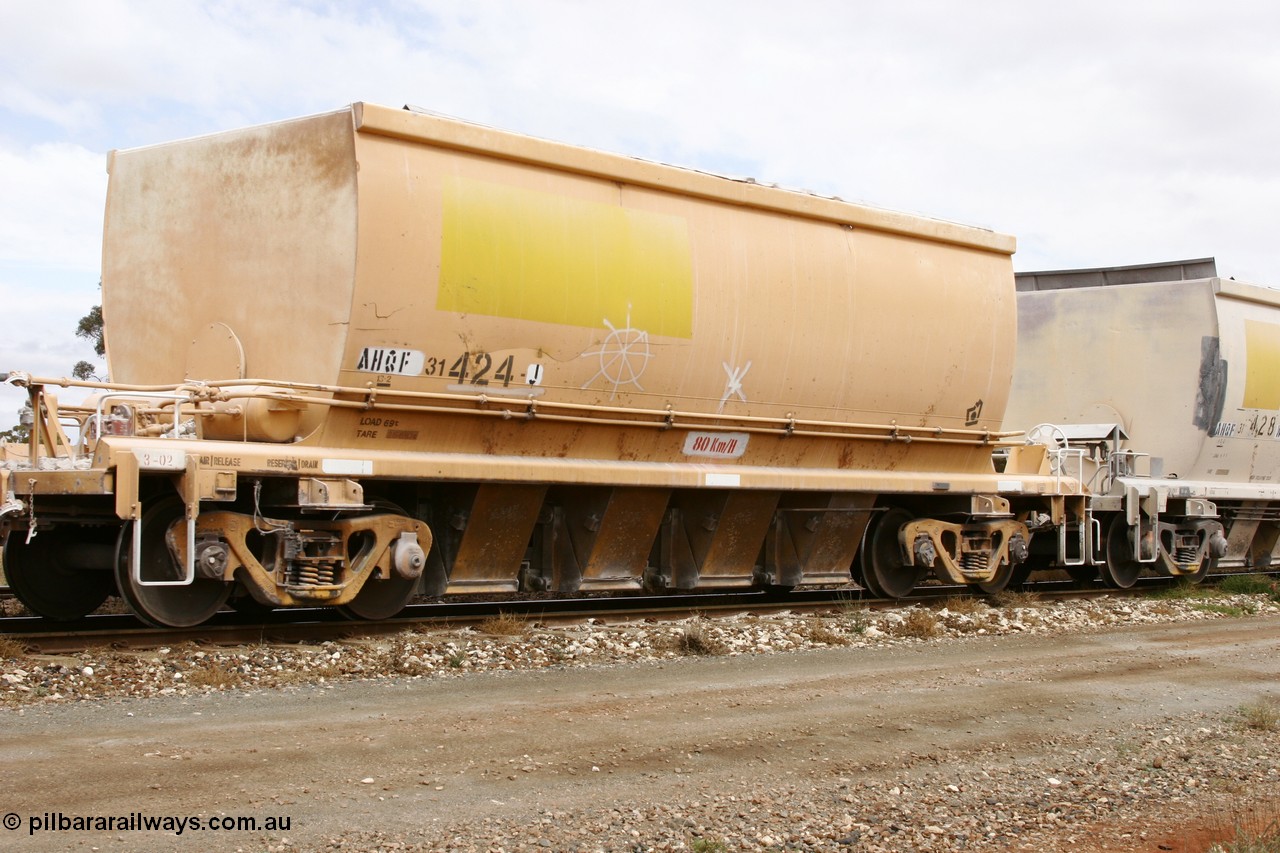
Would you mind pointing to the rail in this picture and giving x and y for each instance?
(318, 624)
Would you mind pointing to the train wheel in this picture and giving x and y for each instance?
(1083, 575)
(247, 605)
(381, 599)
(883, 569)
(164, 606)
(1003, 578)
(1121, 570)
(1022, 571)
(1199, 574)
(39, 576)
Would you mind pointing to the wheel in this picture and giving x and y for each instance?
(164, 606)
(1003, 577)
(381, 599)
(1050, 435)
(42, 577)
(247, 605)
(883, 569)
(1199, 574)
(1082, 575)
(1022, 572)
(1121, 570)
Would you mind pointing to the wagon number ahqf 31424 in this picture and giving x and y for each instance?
(474, 368)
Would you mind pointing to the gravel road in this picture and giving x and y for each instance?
(1138, 730)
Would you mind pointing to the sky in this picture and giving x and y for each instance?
(1097, 133)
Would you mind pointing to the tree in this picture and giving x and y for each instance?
(90, 328)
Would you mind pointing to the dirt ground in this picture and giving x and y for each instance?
(470, 760)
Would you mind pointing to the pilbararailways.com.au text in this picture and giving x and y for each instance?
(139, 822)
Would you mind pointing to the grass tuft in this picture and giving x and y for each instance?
(920, 624)
(964, 605)
(1260, 716)
(1182, 590)
(1250, 585)
(1013, 598)
(1253, 826)
(694, 639)
(11, 648)
(217, 675)
(1233, 610)
(818, 631)
(706, 845)
(504, 625)
(855, 617)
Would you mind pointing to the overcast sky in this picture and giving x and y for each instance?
(1097, 133)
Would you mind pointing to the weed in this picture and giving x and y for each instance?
(1250, 585)
(855, 617)
(217, 675)
(1253, 827)
(1182, 590)
(288, 677)
(964, 605)
(11, 648)
(819, 632)
(1012, 598)
(921, 624)
(1260, 716)
(1234, 610)
(694, 639)
(504, 625)
(706, 845)
(457, 659)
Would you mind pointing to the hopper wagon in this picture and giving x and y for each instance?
(1158, 388)
(376, 353)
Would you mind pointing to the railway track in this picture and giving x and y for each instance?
(226, 628)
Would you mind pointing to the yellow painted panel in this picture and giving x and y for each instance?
(1262, 377)
(529, 255)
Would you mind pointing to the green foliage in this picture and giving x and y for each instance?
(1183, 590)
(707, 845)
(1261, 716)
(1226, 609)
(1250, 585)
(90, 328)
(1252, 825)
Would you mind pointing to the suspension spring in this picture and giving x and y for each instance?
(974, 562)
(304, 572)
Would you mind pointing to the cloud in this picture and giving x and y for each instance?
(40, 316)
(1097, 132)
(51, 206)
